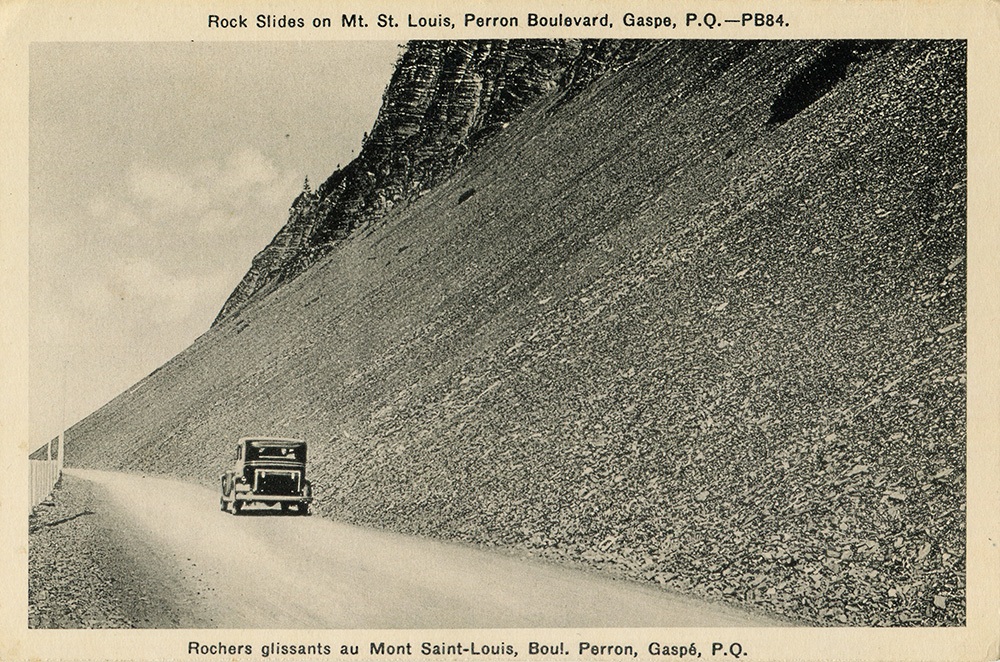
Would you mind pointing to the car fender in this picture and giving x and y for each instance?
(227, 483)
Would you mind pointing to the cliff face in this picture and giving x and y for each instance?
(700, 325)
(444, 100)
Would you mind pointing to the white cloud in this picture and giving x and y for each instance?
(243, 182)
(157, 294)
(141, 267)
(163, 187)
(191, 229)
(216, 221)
(248, 170)
(99, 206)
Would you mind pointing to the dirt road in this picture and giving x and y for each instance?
(263, 569)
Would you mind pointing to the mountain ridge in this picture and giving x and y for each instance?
(444, 100)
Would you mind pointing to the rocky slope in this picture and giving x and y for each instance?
(79, 569)
(444, 100)
(702, 323)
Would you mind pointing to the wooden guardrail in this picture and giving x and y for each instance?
(44, 470)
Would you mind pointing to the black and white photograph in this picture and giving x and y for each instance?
(454, 339)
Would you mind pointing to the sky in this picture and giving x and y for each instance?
(156, 172)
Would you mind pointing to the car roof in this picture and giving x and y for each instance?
(271, 441)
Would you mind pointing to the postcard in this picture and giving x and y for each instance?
(528, 331)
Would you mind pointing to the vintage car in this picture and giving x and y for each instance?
(269, 471)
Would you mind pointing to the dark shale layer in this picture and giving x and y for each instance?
(699, 322)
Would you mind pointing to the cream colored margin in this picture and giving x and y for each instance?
(978, 21)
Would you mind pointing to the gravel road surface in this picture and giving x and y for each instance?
(173, 559)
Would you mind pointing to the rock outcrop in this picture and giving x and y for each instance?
(444, 100)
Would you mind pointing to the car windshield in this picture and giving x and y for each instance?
(259, 451)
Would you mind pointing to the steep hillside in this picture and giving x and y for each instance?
(445, 99)
(703, 325)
